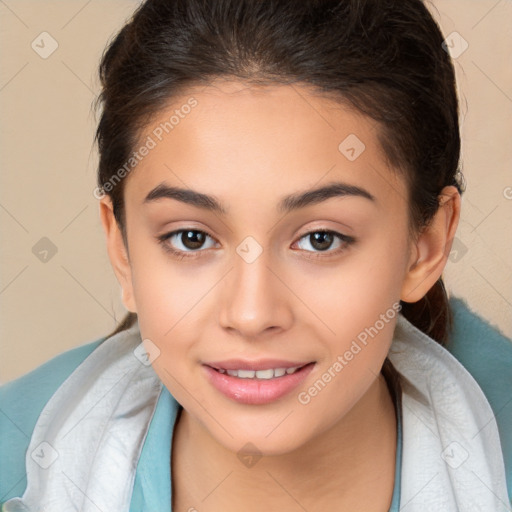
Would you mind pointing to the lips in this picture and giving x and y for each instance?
(256, 382)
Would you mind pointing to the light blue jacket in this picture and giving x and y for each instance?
(485, 353)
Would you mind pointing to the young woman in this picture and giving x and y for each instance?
(279, 189)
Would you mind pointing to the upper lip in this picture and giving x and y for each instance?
(261, 364)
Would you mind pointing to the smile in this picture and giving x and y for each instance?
(260, 374)
(256, 386)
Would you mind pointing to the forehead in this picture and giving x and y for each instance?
(262, 139)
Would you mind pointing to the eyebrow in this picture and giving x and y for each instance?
(286, 205)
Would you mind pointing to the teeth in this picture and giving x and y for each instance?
(246, 374)
(263, 374)
(260, 374)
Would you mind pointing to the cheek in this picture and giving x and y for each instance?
(348, 297)
(360, 308)
(342, 382)
(361, 321)
(166, 290)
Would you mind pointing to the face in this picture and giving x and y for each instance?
(263, 282)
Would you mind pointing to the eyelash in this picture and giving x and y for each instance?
(163, 240)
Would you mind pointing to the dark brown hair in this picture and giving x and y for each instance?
(382, 57)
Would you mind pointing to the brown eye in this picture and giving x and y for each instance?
(192, 239)
(184, 242)
(323, 240)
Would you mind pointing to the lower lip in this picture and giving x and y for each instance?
(256, 391)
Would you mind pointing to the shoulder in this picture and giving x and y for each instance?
(21, 402)
(487, 354)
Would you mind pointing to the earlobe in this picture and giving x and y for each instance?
(432, 248)
(117, 253)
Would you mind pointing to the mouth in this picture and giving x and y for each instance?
(269, 373)
(261, 384)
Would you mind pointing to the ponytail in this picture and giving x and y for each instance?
(127, 321)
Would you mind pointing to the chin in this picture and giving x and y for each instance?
(260, 440)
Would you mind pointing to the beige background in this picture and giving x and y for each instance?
(48, 165)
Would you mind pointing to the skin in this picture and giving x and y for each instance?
(249, 147)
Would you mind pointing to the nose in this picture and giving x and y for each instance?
(255, 299)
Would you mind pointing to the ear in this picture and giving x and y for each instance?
(117, 253)
(430, 252)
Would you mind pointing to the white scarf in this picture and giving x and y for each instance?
(97, 421)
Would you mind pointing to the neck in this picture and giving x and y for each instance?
(333, 471)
